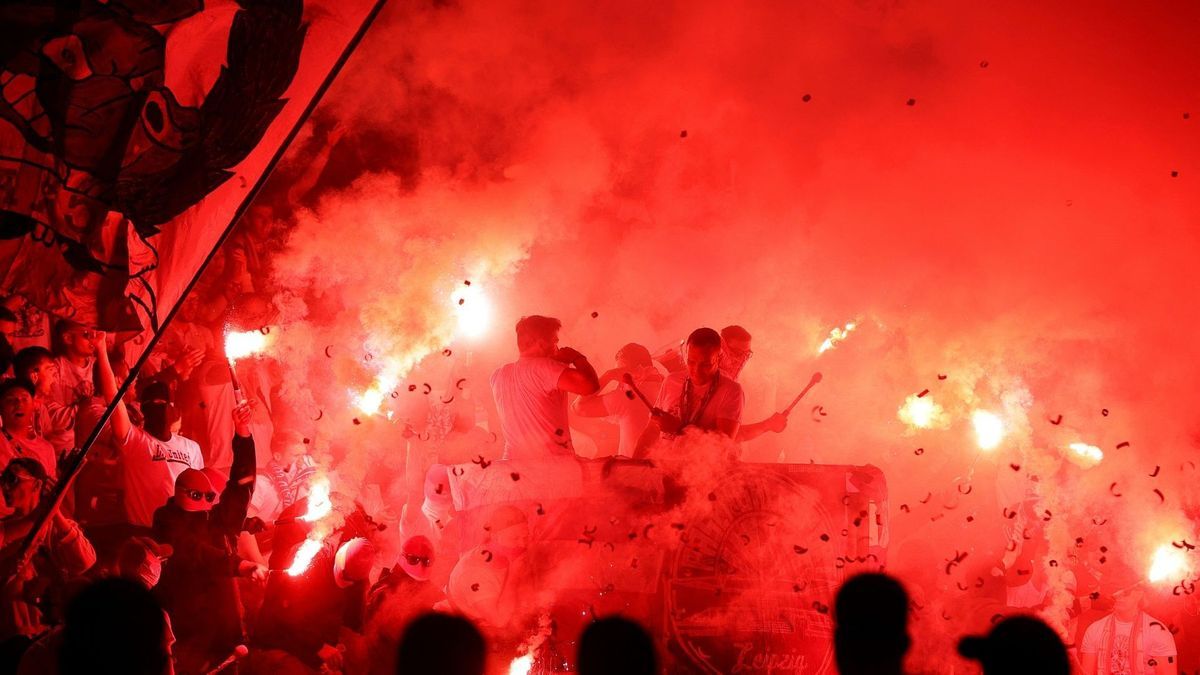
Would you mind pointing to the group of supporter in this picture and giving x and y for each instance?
(199, 492)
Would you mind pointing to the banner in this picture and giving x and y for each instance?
(132, 133)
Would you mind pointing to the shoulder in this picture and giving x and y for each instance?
(1091, 636)
(1159, 640)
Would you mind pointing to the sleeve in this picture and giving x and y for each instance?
(1091, 637)
(1159, 641)
(548, 372)
(235, 498)
(615, 401)
(140, 442)
(734, 403)
(60, 417)
(72, 551)
(192, 554)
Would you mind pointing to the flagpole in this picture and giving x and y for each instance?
(72, 470)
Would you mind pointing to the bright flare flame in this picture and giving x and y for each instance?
(239, 344)
(474, 311)
(1169, 564)
(370, 400)
(319, 504)
(304, 557)
(521, 665)
(989, 429)
(1086, 455)
(835, 336)
(919, 411)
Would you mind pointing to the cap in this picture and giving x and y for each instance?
(353, 562)
(155, 392)
(1021, 644)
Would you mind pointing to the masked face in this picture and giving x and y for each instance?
(150, 570)
(734, 355)
(195, 500)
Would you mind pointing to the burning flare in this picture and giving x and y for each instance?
(521, 665)
(1169, 564)
(240, 344)
(474, 311)
(1085, 455)
(835, 336)
(319, 504)
(989, 429)
(304, 556)
(920, 412)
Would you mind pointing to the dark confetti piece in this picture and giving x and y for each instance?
(327, 354)
(683, 134)
(919, 451)
(1078, 541)
(515, 476)
(1103, 559)
(1099, 522)
(928, 496)
(446, 352)
(203, 405)
(796, 588)
(457, 470)
(595, 314)
(800, 550)
(475, 587)
(965, 492)
(1183, 544)
(1155, 474)
(942, 377)
(821, 608)
(1025, 535)
(824, 537)
(412, 387)
(1023, 573)
(461, 301)
(439, 489)
(1104, 412)
(307, 441)
(1104, 549)
(1122, 444)
(265, 330)
(1095, 595)
(483, 463)
(904, 508)
(1174, 174)
(395, 394)
(934, 519)
(911, 102)
(320, 414)
(466, 283)
(678, 526)
(1015, 467)
(629, 395)
(712, 496)
(970, 519)
(368, 356)
(487, 555)
(1056, 421)
(541, 511)
(1054, 563)
(448, 401)
(979, 582)
(961, 587)
(427, 387)
(923, 393)
(1009, 514)
(1113, 489)
(1161, 498)
(459, 385)
(983, 64)
(558, 432)
(1046, 516)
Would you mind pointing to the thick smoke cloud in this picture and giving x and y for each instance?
(1003, 195)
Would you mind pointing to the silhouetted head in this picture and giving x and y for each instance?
(113, 626)
(703, 354)
(870, 632)
(616, 645)
(441, 644)
(538, 335)
(1018, 645)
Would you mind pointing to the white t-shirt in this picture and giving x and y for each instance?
(725, 403)
(1156, 643)
(151, 467)
(74, 383)
(13, 446)
(532, 409)
(630, 414)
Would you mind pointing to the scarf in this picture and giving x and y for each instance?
(1108, 636)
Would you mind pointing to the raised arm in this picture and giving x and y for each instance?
(579, 379)
(108, 390)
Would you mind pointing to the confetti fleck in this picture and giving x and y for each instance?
(428, 388)
(541, 511)
(595, 314)
(487, 555)
(459, 384)
(942, 377)
(923, 393)
(683, 134)
(824, 537)
(461, 301)
(327, 354)
(904, 508)
(1156, 469)
(483, 463)
(629, 395)
(967, 491)
(446, 352)
(515, 476)
(919, 451)
(928, 496)
(412, 387)
(1122, 444)
(1161, 498)
(1104, 412)
(1174, 174)
(474, 587)
(320, 414)
(1015, 467)
(1056, 421)
(800, 550)
(466, 283)
(356, 421)
(1113, 489)
(911, 102)
(983, 64)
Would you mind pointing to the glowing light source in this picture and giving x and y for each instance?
(521, 665)
(989, 429)
(1085, 455)
(473, 309)
(319, 504)
(919, 411)
(304, 557)
(370, 400)
(835, 336)
(1169, 564)
(240, 344)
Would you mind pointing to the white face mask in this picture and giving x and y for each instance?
(150, 571)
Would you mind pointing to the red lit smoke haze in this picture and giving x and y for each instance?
(1016, 228)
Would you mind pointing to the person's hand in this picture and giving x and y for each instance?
(331, 658)
(666, 421)
(241, 418)
(612, 375)
(568, 355)
(777, 422)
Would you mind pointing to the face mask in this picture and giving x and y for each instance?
(150, 571)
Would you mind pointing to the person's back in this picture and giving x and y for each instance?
(870, 635)
(616, 646)
(1018, 645)
(114, 626)
(533, 410)
(441, 644)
